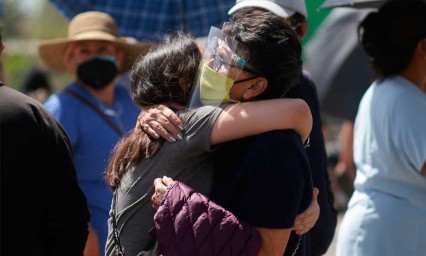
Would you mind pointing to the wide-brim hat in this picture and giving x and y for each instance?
(91, 26)
(282, 8)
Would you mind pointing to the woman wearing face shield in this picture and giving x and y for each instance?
(94, 111)
(165, 75)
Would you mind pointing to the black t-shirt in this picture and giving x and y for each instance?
(319, 238)
(264, 180)
(43, 210)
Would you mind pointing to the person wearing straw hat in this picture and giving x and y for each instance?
(94, 111)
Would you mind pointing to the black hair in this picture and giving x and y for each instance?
(390, 35)
(275, 49)
(296, 20)
(35, 79)
(165, 74)
(156, 77)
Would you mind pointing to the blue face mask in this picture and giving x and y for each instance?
(98, 71)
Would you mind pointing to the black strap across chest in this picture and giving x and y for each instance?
(96, 109)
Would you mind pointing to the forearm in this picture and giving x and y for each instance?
(251, 118)
(240, 236)
(236, 121)
(274, 241)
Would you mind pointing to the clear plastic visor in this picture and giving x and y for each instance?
(224, 58)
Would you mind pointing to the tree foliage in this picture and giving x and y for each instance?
(25, 23)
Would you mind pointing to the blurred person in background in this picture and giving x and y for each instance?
(386, 213)
(36, 84)
(342, 167)
(43, 210)
(94, 110)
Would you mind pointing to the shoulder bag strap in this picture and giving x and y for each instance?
(96, 109)
(118, 247)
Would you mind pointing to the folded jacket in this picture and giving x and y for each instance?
(188, 223)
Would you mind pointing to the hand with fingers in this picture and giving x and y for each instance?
(307, 219)
(160, 121)
(160, 186)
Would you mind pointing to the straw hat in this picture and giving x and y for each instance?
(90, 26)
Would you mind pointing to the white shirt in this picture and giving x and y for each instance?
(387, 212)
(390, 140)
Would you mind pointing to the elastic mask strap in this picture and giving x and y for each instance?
(246, 79)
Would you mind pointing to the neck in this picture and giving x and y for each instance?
(417, 77)
(175, 106)
(105, 95)
(416, 72)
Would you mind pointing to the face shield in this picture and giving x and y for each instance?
(223, 60)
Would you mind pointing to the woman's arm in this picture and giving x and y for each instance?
(303, 223)
(273, 241)
(251, 118)
(92, 243)
(236, 121)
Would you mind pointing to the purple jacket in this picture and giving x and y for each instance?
(188, 223)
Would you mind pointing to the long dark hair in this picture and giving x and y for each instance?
(390, 35)
(165, 74)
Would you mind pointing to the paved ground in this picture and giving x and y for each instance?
(331, 251)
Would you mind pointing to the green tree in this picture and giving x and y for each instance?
(23, 29)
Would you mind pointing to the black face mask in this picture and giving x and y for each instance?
(98, 71)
